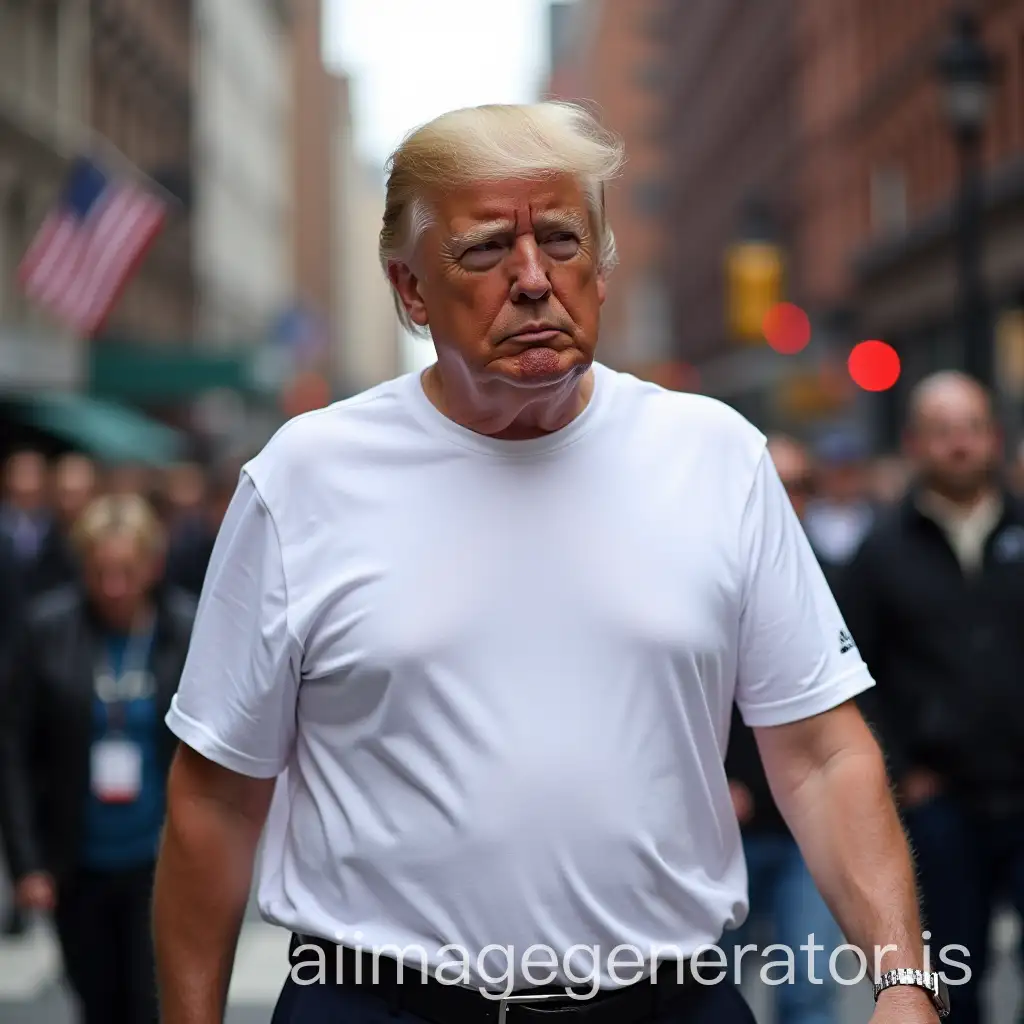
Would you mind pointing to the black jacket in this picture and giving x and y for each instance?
(189, 557)
(946, 651)
(46, 724)
(12, 601)
(743, 760)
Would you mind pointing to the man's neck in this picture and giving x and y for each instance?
(963, 504)
(504, 411)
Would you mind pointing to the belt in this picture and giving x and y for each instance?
(423, 995)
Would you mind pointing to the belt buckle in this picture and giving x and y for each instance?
(503, 1003)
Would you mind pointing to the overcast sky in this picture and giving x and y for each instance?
(410, 60)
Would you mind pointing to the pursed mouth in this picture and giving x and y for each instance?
(536, 337)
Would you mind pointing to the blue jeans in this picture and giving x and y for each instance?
(783, 896)
(967, 863)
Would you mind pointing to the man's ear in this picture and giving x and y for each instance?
(602, 287)
(407, 285)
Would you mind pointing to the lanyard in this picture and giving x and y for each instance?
(114, 689)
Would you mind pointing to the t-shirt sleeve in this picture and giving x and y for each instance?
(796, 656)
(236, 701)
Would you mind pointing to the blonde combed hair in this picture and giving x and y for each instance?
(116, 514)
(491, 143)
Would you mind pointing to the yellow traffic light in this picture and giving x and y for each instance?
(754, 284)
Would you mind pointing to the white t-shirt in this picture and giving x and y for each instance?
(500, 673)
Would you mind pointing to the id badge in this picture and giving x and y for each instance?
(116, 771)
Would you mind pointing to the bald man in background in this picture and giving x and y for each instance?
(935, 601)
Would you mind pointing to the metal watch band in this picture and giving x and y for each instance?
(928, 980)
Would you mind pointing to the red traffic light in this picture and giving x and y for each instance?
(786, 328)
(874, 365)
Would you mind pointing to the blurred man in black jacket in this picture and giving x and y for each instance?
(935, 601)
(782, 892)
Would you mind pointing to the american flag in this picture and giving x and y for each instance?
(89, 246)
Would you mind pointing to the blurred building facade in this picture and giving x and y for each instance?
(370, 351)
(314, 121)
(816, 127)
(882, 177)
(702, 92)
(337, 215)
(141, 103)
(731, 145)
(44, 79)
(243, 168)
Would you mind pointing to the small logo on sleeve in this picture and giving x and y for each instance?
(846, 643)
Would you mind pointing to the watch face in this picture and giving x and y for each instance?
(941, 994)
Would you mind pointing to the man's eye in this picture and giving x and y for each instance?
(562, 245)
(483, 256)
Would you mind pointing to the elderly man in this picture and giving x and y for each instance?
(485, 626)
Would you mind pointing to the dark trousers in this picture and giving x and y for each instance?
(340, 1004)
(967, 862)
(103, 925)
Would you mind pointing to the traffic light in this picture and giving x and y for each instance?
(754, 284)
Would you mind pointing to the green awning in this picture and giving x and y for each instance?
(108, 432)
(150, 375)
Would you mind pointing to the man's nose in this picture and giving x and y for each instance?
(530, 283)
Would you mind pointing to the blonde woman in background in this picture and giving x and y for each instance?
(84, 754)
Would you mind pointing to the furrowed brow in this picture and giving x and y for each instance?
(480, 233)
(570, 220)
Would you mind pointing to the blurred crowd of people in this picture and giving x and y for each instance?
(925, 554)
(101, 569)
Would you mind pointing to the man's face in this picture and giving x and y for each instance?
(25, 482)
(507, 280)
(74, 487)
(954, 442)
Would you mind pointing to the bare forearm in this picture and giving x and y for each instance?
(846, 824)
(202, 886)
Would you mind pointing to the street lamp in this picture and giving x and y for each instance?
(967, 70)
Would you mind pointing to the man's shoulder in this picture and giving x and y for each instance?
(307, 441)
(887, 533)
(687, 405)
(713, 422)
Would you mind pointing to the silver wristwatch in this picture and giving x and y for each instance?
(930, 981)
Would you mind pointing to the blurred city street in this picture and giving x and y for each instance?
(210, 215)
(31, 991)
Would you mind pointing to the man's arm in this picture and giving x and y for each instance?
(203, 878)
(235, 714)
(829, 780)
